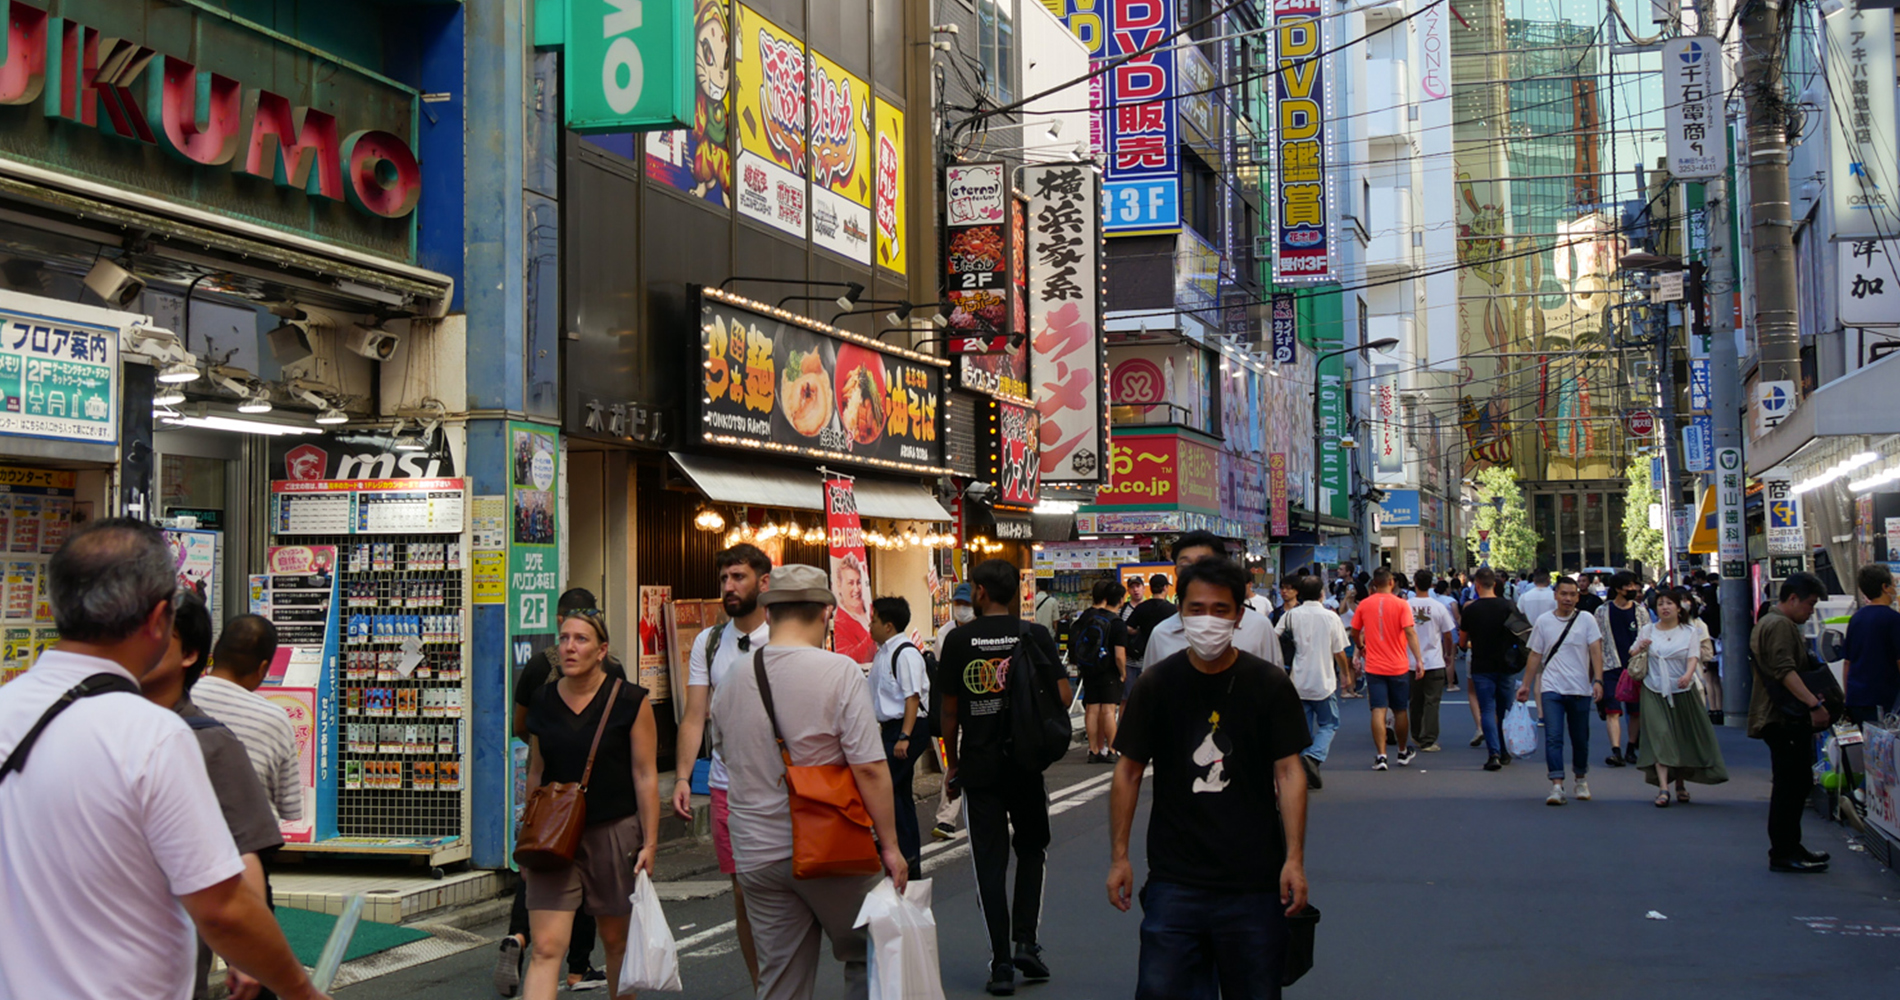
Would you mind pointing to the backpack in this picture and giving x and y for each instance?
(1037, 727)
(1089, 645)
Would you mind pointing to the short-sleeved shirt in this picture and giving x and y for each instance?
(1317, 635)
(1213, 740)
(1434, 624)
(1536, 602)
(897, 672)
(1253, 635)
(711, 671)
(247, 813)
(1625, 623)
(1873, 656)
(975, 670)
(267, 735)
(111, 820)
(824, 710)
(1115, 637)
(1568, 672)
(566, 736)
(1488, 629)
(1381, 621)
(1142, 622)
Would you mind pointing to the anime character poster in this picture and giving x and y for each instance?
(698, 160)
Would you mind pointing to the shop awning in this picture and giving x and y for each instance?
(1856, 404)
(760, 484)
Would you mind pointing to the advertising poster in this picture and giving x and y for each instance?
(686, 619)
(1277, 508)
(850, 573)
(1145, 572)
(655, 639)
(59, 375)
(976, 257)
(1303, 247)
(1065, 305)
(698, 160)
(1018, 469)
(300, 704)
(1139, 125)
(840, 150)
(798, 387)
(195, 554)
(534, 562)
(1161, 472)
(770, 115)
(889, 123)
(1883, 779)
(1026, 594)
(301, 591)
(1388, 437)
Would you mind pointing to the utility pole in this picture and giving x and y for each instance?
(1777, 328)
(1665, 424)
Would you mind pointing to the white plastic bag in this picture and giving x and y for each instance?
(903, 952)
(651, 962)
(1520, 731)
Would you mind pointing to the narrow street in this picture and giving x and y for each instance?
(1438, 880)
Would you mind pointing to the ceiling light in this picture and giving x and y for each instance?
(259, 403)
(168, 395)
(408, 440)
(333, 415)
(709, 519)
(239, 426)
(178, 373)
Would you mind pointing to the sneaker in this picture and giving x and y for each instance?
(508, 967)
(1505, 758)
(1029, 962)
(1002, 980)
(1430, 748)
(1556, 796)
(1406, 755)
(1096, 758)
(1477, 738)
(1378, 763)
(1583, 790)
(942, 831)
(1615, 759)
(592, 979)
(1313, 782)
(1491, 763)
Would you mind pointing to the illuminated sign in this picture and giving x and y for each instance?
(1302, 205)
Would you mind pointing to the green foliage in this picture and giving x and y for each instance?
(1639, 539)
(1502, 514)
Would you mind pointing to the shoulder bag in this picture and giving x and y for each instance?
(1638, 665)
(831, 828)
(100, 683)
(1819, 680)
(556, 813)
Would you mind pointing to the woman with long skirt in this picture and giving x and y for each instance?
(1678, 739)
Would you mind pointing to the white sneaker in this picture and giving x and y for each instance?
(1556, 796)
(1583, 790)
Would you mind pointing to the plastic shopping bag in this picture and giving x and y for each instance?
(651, 962)
(1520, 731)
(903, 953)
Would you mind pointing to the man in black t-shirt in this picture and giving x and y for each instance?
(1494, 630)
(997, 793)
(1142, 622)
(1098, 646)
(1227, 834)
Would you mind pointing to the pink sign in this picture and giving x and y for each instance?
(301, 705)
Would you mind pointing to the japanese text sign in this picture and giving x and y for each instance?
(1783, 509)
(1161, 472)
(840, 152)
(1014, 466)
(1065, 307)
(1861, 177)
(1302, 209)
(1277, 499)
(59, 370)
(1695, 131)
(1139, 123)
(1286, 329)
(770, 79)
(1869, 283)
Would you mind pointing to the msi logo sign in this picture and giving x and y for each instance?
(310, 463)
(306, 463)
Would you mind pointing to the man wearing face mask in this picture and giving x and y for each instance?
(1255, 633)
(1223, 730)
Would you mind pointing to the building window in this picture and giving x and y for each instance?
(996, 48)
(1200, 196)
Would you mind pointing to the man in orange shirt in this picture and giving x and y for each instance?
(1383, 629)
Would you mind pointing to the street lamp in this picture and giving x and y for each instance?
(1382, 344)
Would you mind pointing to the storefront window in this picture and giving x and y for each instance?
(190, 482)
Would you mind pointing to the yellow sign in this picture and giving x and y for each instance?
(46, 478)
(890, 188)
(491, 577)
(1702, 539)
(769, 74)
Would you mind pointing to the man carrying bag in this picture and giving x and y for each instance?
(999, 735)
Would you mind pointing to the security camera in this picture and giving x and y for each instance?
(374, 343)
(117, 286)
(290, 343)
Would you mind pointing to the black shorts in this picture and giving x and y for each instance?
(1101, 687)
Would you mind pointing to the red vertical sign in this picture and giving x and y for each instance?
(1276, 494)
(850, 573)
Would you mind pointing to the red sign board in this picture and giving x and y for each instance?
(1277, 495)
(1641, 423)
(1018, 466)
(1162, 472)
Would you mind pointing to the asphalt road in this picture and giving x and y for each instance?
(1438, 880)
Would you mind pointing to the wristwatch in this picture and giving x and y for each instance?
(903, 737)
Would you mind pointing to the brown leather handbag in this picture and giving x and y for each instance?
(831, 828)
(556, 813)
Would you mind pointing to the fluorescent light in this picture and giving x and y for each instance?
(1056, 507)
(168, 395)
(240, 426)
(178, 373)
(333, 416)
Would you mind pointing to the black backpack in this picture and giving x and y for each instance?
(1089, 645)
(1038, 725)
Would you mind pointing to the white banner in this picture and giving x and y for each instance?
(1388, 435)
(1731, 541)
(1070, 382)
(1868, 293)
(1692, 108)
(1783, 510)
(1861, 178)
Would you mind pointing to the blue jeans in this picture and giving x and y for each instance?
(1322, 720)
(1200, 944)
(1494, 693)
(1570, 711)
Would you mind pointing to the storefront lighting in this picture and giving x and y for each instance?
(709, 520)
(178, 373)
(1881, 478)
(238, 426)
(259, 403)
(168, 395)
(1056, 507)
(1836, 471)
(333, 416)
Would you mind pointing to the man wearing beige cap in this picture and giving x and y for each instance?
(824, 715)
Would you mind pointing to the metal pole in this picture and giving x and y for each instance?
(1725, 405)
(1777, 327)
(1665, 427)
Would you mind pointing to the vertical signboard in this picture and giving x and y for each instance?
(976, 258)
(1868, 289)
(1014, 468)
(850, 573)
(840, 153)
(1302, 211)
(698, 160)
(1065, 304)
(1694, 129)
(1278, 526)
(1330, 486)
(1731, 543)
(770, 115)
(534, 551)
(1142, 183)
(1286, 329)
(1388, 457)
(889, 206)
(1782, 507)
(1860, 141)
(628, 66)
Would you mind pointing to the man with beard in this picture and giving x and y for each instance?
(744, 573)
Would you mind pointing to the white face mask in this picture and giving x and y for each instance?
(963, 614)
(1208, 636)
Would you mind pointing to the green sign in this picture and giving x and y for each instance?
(534, 535)
(627, 64)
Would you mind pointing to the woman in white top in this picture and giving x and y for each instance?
(1678, 738)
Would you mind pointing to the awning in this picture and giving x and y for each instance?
(761, 484)
(1860, 404)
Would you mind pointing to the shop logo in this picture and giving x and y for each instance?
(886, 187)
(834, 143)
(306, 463)
(782, 95)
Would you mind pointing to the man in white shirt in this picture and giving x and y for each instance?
(1256, 601)
(962, 612)
(1047, 608)
(898, 689)
(1254, 635)
(1437, 644)
(1319, 658)
(1567, 651)
(1538, 599)
(112, 845)
(745, 572)
(228, 693)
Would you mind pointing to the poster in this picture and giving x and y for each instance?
(850, 573)
(300, 704)
(686, 619)
(195, 555)
(1145, 572)
(770, 114)
(1883, 779)
(698, 161)
(301, 603)
(1303, 245)
(1139, 125)
(59, 374)
(840, 153)
(976, 258)
(799, 387)
(1026, 594)
(655, 641)
(890, 206)
(534, 561)
(1017, 468)
(1065, 308)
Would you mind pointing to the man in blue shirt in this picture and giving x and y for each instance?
(1873, 648)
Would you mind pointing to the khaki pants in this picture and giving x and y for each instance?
(787, 915)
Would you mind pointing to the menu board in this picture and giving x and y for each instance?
(367, 506)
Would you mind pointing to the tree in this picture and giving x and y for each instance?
(1639, 539)
(1502, 519)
